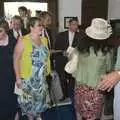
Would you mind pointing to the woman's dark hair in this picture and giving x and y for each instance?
(4, 24)
(32, 22)
(86, 43)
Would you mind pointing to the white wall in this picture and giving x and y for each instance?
(73, 8)
(33, 6)
(68, 8)
(114, 9)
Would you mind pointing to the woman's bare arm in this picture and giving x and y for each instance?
(17, 56)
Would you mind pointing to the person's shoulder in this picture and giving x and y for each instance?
(48, 30)
(24, 31)
(62, 33)
(44, 41)
(11, 38)
(10, 35)
(10, 32)
(24, 38)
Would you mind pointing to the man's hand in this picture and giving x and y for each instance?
(108, 81)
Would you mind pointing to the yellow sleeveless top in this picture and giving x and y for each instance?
(26, 62)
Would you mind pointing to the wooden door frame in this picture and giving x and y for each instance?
(85, 21)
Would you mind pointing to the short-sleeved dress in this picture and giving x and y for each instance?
(35, 98)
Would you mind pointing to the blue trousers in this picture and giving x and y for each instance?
(65, 112)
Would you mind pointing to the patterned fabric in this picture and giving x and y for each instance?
(89, 103)
(45, 42)
(35, 98)
(91, 67)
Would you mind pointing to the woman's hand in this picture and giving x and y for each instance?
(108, 81)
(19, 83)
(17, 56)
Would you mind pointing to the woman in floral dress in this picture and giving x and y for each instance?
(30, 63)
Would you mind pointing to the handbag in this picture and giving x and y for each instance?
(56, 90)
(71, 66)
(108, 103)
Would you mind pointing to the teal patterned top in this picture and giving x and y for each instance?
(91, 67)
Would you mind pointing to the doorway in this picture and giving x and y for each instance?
(93, 9)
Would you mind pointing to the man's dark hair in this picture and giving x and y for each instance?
(38, 11)
(73, 19)
(23, 9)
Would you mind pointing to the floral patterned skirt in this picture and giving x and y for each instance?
(35, 98)
(88, 103)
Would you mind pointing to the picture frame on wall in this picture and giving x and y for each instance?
(66, 22)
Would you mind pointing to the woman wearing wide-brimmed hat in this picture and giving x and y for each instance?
(94, 59)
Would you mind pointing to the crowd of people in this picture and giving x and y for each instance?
(25, 63)
(85, 61)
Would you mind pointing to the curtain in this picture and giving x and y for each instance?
(1, 8)
(53, 8)
(93, 9)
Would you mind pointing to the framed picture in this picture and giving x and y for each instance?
(66, 22)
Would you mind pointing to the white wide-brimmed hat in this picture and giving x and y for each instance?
(100, 29)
